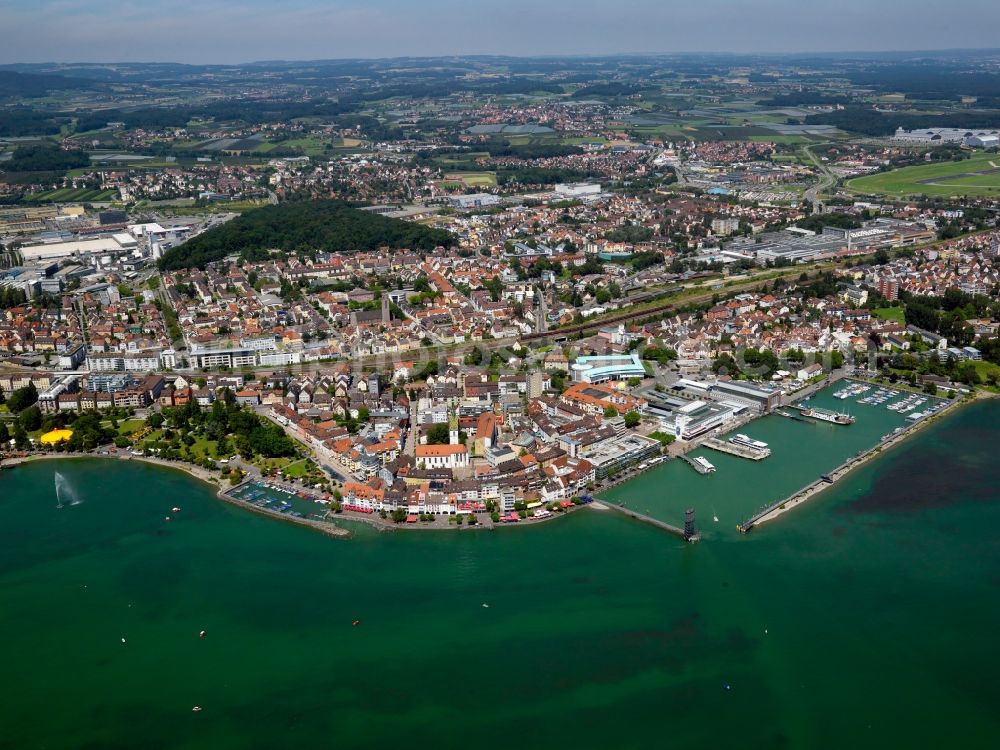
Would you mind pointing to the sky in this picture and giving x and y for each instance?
(228, 31)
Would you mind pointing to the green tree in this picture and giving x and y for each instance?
(20, 437)
(438, 434)
(31, 418)
(22, 398)
(610, 412)
(632, 419)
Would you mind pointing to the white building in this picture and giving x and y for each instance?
(113, 362)
(442, 456)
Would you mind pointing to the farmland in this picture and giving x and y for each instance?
(979, 175)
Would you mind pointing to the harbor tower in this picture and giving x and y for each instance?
(689, 530)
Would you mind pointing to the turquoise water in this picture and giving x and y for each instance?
(800, 453)
(865, 620)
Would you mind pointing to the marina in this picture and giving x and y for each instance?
(826, 479)
(802, 449)
(825, 415)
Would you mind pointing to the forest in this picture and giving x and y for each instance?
(45, 157)
(869, 122)
(305, 227)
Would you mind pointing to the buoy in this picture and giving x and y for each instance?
(201, 634)
(356, 622)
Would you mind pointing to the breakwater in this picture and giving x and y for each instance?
(775, 509)
(669, 528)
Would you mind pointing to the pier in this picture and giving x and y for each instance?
(688, 534)
(736, 450)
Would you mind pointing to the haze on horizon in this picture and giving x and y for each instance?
(227, 31)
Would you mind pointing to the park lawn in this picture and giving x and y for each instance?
(897, 314)
(985, 369)
(297, 469)
(205, 448)
(271, 463)
(949, 178)
(128, 426)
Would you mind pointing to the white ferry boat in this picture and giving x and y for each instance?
(706, 467)
(747, 442)
(827, 416)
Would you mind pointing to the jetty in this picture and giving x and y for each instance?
(735, 450)
(688, 533)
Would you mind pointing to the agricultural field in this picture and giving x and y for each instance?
(314, 145)
(979, 175)
(74, 195)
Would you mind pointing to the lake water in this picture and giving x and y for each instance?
(800, 453)
(866, 619)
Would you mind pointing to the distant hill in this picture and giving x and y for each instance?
(303, 226)
(30, 84)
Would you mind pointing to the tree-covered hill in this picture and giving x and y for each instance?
(304, 227)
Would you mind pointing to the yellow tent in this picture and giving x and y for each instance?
(56, 436)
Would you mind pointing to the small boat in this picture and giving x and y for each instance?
(196, 709)
(202, 634)
(167, 519)
(485, 605)
(356, 623)
(175, 510)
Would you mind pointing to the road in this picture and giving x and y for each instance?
(827, 180)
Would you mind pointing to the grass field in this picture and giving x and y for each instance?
(129, 426)
(891, 313)
(474, 179)
(64, 195)
(947, 178)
